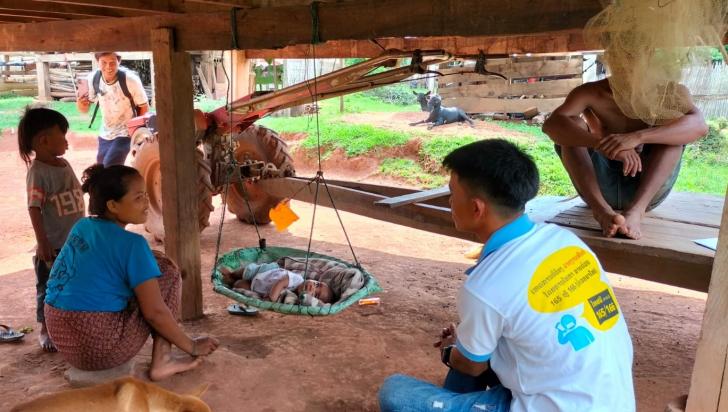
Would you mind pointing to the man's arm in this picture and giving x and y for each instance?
(462, 364)
(276, 290)
(565, 126)
(142, 109)
(82, 104)
(681, 131)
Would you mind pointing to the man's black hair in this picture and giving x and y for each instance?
(497, 170)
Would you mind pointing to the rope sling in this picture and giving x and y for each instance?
(238, 259)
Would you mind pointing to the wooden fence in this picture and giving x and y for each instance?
(540, 82)
(709, 87)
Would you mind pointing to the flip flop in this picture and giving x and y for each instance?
(9, 335)
(241, 310)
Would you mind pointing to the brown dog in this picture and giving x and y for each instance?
(122, 395)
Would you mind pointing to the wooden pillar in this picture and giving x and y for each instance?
(708, 387)
(173, 74)
(5, 68)
(238, 69)
(43, 78)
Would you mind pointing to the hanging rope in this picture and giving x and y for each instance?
(318, 179)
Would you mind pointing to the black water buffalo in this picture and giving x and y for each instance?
(440, 115)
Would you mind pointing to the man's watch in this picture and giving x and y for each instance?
(445, 355)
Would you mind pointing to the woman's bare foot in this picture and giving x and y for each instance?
(44, 339)
(609, 220)
(169, 365)
(632, 225)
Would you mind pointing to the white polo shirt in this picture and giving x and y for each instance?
(539, 307)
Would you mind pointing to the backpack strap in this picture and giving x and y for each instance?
(121, 77)
(95, 82)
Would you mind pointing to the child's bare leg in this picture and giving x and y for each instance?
(46, 343)
(659, 165)
(578, 164)
(164, 364)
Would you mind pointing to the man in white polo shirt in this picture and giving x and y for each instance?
(536, 311)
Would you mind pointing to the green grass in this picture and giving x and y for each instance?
(434, 150)
(355, 140)
(522, 127)
(411, 172)
(701, 173)
(702, 170)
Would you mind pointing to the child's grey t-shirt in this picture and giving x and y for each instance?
(57, 192)
(263, 282)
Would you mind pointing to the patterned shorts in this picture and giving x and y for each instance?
(104, 340)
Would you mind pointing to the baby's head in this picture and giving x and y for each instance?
(320, 290)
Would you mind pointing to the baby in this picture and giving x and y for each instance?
(270, 281)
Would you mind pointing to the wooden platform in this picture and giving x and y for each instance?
(666, 253)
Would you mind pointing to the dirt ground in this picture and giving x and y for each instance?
(274, 362)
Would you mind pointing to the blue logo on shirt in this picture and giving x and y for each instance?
(568, 331)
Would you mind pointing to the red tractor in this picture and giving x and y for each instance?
(231, 149)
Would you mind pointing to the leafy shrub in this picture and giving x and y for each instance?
(400, 94)
(716, 141)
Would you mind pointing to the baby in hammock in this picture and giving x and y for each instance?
(269, 281)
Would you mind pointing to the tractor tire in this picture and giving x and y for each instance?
(146, 160)
(257, 143)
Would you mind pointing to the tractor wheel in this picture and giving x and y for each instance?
(146, 160)
(257, 143)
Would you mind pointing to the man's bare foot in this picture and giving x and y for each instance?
(172, 365)
(632, 225)
(45, 340)
(610, 221)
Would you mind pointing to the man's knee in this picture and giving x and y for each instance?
(392, 392)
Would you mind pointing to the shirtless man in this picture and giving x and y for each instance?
(617, 163)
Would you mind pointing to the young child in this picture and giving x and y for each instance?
(55, 200)
(269, 281)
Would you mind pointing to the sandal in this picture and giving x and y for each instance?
(241, 310)
(9, 335)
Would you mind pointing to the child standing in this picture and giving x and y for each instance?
(55, 199)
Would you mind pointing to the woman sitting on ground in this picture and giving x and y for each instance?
(108, 291)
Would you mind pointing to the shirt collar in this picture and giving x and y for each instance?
(518, 227)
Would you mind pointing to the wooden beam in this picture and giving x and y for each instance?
(32, 15)
(270, 28)
(709, 386)
(254, 4)
(23, 19)
(132, 5)
(542, 43)
(65, 57)
(65, 10)
(494, 105)
(173, 82)
(417, 197)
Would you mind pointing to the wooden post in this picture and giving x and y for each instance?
(43, 78)
(173, 73)
(238, 69)
(708, 387)
(341, 98)
(6, 69)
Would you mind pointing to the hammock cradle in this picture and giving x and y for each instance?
(240, 258)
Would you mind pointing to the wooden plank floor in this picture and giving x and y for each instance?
(666, 252)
